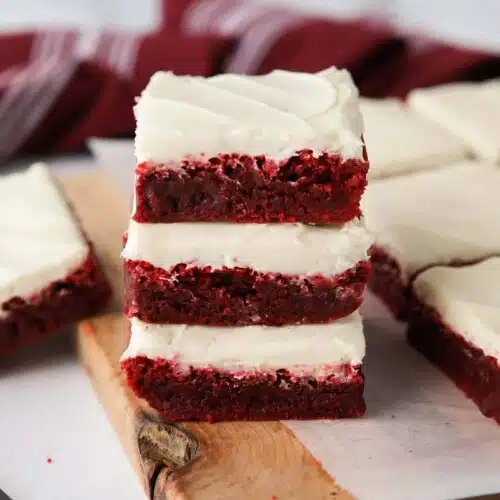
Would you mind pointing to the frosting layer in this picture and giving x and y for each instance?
(451, 214)
(469, 110)
(468, 300)
(304, 349)
(40, 241)
(278, 248)
(274, 114)
(399, 140)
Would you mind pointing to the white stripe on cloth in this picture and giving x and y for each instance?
(201, 17)
(18, 90)
(53, 78)
(238, 19)
(101, 49)
(18, 78)
(117, 52)
(257, 26)
(258, 39)
(30, 92)
(125, 63)
(33, 90)
(87, 44)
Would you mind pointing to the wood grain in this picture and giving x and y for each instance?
(189, 461)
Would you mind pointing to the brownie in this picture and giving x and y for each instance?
(240, 296)
(207, 394)
(387, 282)
(82, 293)
(473, 371)
(305, 188)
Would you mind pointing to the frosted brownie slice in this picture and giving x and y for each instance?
(248, 373)
(468, 110)
(281, 147)
(243, 274)
(401, 141)
(455, 322)
(446, 216)
(49, 276)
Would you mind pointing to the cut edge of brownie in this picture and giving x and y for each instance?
(82, 293)
(321, 189)
(475, 373)
(207, 394)
(393, 287)
(187, 294)
(387, 282)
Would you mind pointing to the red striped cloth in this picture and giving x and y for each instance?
(58, 88)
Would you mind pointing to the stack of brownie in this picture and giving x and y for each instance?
(246, 256)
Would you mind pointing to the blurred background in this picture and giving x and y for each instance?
(71, 70)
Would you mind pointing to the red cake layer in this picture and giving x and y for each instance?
(387, 282)
(239, 296)
(242, 188)
(212, 395)
(63, 302)
(474, 372)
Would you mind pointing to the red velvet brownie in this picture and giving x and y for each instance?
(401, 141)
(49, 276)
(248, 373)
(455, 322)
(244, 274)
(447, 216)
(282, 147)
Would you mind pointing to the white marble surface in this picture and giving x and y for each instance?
(421, 438)
(49, 411)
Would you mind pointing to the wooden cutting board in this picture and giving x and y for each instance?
(189, 461)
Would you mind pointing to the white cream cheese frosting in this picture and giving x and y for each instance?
(399, 140)
(274, 114)
(468, 110)
(40, 240)
(467, 299)
(280, 248)
(302, 349)
(436, 217)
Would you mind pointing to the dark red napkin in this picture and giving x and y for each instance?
(314, 44)
(426, 63)
(58, 88)
(382, 62)
(55, 93)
